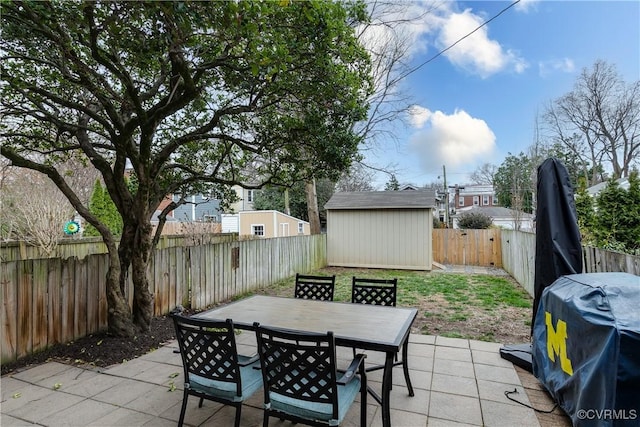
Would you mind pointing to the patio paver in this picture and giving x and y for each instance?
(457, 382)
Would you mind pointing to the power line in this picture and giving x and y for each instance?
(459, 40)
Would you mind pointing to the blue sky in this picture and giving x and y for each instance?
(478, 101)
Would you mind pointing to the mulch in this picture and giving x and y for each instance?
(100, 349)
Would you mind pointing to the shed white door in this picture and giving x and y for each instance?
(230, 223)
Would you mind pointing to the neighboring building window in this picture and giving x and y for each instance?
(460, 201)
(485, 200)
(476, 200)
(301, 228)
(257, 230)
(494, 200)
(250, 195)
(210, 218)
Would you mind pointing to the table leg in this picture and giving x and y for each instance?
(405, 366)
(386, 389)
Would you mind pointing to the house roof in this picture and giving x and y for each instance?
(382, 200)
(594, 190)
(469, 190)
(495, 212)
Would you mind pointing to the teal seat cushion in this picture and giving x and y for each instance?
(318, 411)
(251, 382)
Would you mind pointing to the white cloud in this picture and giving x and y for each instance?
(526, 5)
(423, 29)
(477, 53)
(564, 65)
(456, 140)
(418, 116)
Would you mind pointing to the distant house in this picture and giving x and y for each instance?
(408, 187)
(380, 229)
(501, 217)
(439, 195)
(270, 223)
(199, 208)
(594, 190)
(474, 195)
(200, 213)
(246, 197)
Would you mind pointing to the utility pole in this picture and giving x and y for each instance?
(446, 197)
(287, 210)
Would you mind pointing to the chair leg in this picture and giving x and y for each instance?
(183, 409)
(238, 415)
(363, 401)
(405, 367)
(200, 403)
(265, 419)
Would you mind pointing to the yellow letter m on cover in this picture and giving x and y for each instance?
(557, 342)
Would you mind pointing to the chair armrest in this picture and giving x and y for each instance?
(350, 373)
(247, 360)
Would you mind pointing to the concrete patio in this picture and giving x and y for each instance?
(456, 381)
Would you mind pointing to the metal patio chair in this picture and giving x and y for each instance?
(380, 292)
(213, 370)
(300, 379)
(315, 287)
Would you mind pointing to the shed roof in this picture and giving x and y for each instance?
(417, 199)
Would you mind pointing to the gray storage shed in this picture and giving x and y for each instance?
(380, 229)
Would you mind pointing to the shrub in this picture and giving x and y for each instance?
(474, 220)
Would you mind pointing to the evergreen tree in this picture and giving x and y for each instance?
(474, 221)
(630, 217)
(609, 222)
(392, 185)
(103, 208)
(586, 213)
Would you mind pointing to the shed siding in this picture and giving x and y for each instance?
(386, 238)
(273, 223)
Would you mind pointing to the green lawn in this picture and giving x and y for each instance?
(483, 307)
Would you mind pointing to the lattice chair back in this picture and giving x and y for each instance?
(315, 287)
(208, 350)
(299, 366)
(213, 370)
(374, 291)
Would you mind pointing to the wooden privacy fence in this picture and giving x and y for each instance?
(519, 253)
(467, 247)
(47, 301)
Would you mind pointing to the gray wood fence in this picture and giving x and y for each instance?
(46, 301)
(519, 252)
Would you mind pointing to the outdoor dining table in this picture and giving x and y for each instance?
(367, 327)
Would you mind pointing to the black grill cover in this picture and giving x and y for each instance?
(558, 242)
(586, 347)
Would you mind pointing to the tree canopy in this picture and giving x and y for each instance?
(599, 122)
(514, 182)
(193, 97)
(612, 219)
(474, 220)
(272, 197)
(392, 184)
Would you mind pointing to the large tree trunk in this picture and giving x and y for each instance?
(312, 206)
(134, 252)
(142, 298)
(118, 316)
